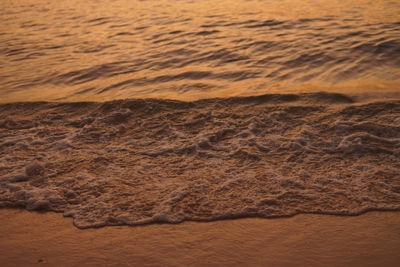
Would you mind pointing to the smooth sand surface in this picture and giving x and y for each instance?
(372, 239)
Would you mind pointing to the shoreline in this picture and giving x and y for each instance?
(135, 162)
(371, 239)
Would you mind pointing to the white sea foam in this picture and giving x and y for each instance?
(144, 161)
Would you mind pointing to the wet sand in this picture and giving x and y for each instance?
(372, 239)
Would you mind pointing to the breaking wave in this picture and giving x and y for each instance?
(149, 160)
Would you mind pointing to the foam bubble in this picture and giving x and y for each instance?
(171, 161)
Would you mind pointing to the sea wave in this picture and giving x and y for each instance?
(150, 160)
(130, 48)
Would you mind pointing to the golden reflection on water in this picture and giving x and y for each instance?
(102, 50)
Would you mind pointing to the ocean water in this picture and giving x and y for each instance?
(105, 49)
(135, 112)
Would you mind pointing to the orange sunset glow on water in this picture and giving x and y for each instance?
(188, 50)
(245, 133)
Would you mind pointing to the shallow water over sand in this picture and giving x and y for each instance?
(283, 150)
(103, 50)
(145, 161)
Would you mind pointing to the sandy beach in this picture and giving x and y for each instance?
(372, 239)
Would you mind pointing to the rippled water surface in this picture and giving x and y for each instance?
(103, 50)
(279, 149)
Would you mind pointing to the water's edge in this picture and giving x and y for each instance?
(149, 160)
(370, 239)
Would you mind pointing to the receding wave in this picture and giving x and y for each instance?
(148, 160)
